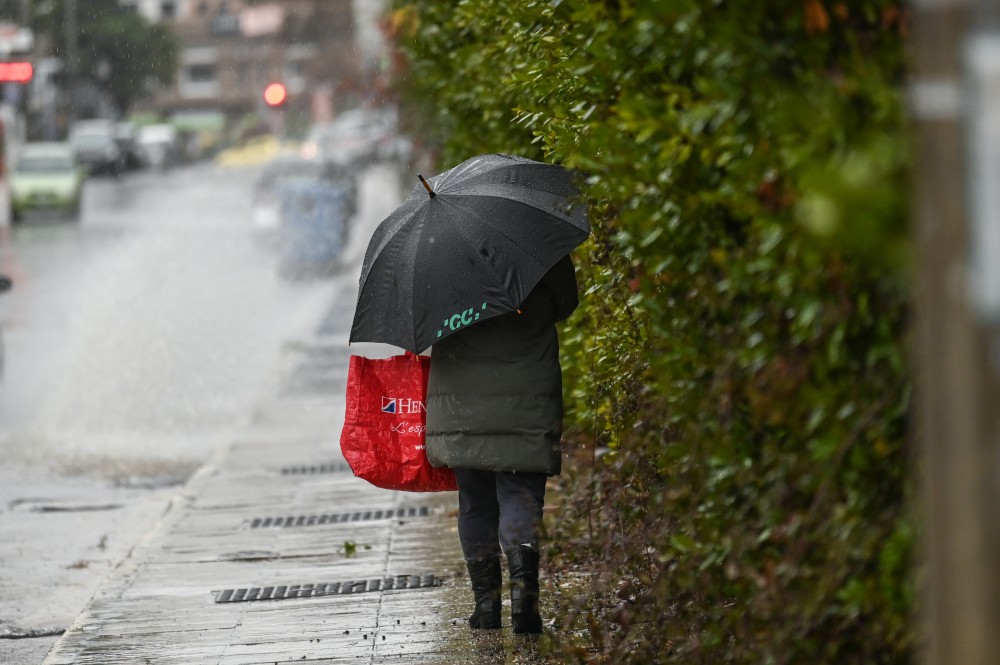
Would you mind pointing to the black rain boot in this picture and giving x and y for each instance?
(486, 584)
(523, 564)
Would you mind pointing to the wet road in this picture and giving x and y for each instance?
(136, 340)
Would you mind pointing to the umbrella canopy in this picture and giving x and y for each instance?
(467, 245)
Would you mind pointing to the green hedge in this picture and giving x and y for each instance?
(740, 345)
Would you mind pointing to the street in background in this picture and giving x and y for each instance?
(114, 394)
(139, 336)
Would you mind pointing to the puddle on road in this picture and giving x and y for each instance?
(131, 473)
(127, 461)
(8, 632)
(56, 506)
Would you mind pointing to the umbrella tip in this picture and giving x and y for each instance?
(426, 186)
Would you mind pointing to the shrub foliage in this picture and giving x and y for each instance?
(739, 347)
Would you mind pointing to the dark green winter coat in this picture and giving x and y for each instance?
(494, 397)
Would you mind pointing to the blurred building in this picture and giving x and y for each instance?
(232, 49)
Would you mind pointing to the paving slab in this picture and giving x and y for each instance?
(331, 540)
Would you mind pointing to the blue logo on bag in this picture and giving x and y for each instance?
(402, 405)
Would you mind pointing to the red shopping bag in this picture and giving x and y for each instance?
(383, 435)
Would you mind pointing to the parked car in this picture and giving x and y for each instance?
(96, 145)
(255, 151)
(127, 138)
(46, 177)
(348, 140)
(159, 145)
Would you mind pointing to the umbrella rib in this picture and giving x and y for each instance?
(389, 227)
(496, 228)
(498, 279)
(419, 221)
(482, 192)
(389, 254)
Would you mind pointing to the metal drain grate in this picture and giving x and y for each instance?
(338, 518)
(397, 583)
(313, 469)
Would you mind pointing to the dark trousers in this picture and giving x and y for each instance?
(498, 509)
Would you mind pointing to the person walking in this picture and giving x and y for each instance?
(494, 415)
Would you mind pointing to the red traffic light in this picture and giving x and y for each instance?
(16, 72)
(275, 94)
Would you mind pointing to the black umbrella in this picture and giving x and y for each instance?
(469, 244)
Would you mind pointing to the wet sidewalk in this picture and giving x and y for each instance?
(274, 552)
